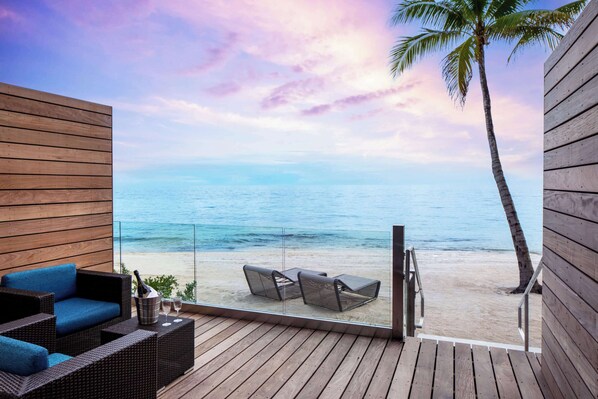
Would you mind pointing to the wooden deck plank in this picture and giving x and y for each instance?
(484, 373)
(424, 370)
(208, 325)
(541, 377)
(251, 359)
(294, 384)
(270, 358)
(505, 379)
(444, 375)
(269, 344)
(343, 375)
(209, 365)
(212, 332)
(244, 335)
(528, 386)
(383, 377)
(401, 381)
(221, 336)
(318, 381)
(464, 380)
(362, 377)
(280, 376)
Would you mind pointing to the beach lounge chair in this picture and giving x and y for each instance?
(340, 293)
(274, 284)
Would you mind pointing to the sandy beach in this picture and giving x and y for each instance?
(466, 292)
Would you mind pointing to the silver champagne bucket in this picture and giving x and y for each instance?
(148, 310)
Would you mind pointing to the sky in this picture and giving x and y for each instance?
(271, 91)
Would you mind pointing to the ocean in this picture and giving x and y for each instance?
(175, 216)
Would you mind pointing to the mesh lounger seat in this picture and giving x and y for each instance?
(274, 284)
(340, 293)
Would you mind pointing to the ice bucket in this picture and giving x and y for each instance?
(148, 310)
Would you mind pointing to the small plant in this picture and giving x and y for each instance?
(164, 284)
(188, 294)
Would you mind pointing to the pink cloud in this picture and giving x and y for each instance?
(292, 91)
(223, 89)
(356, 100)
(216, 56)
(366, 115)
(6, 14)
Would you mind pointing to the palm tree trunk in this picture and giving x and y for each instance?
(526, 270)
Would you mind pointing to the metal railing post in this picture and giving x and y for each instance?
(523, 322)
(398, 281)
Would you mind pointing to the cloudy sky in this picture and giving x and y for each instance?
(270, 91)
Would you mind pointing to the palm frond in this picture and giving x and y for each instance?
(457, 69)
(536, 35)
(477, 7)
(430, 12)
(500, 8)
(574, 8)
(409, 50)
(508, 26)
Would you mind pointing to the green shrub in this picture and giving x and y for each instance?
(188, 294)
(164, 284)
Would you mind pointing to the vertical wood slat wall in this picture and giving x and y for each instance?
(570, 294)
(55, 181)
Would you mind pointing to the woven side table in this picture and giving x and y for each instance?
(175, 345)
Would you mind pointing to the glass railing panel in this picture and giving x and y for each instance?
(221, 253)
(163, 253)
(358, 259)
(116, 246)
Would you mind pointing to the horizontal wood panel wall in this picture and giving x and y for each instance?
(55, 181)
(570, 295)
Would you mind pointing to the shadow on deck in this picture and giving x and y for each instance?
(249, 359)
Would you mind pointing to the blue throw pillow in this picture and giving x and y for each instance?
(22, 358)
(61, 280)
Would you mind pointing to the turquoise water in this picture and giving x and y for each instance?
(436, 217)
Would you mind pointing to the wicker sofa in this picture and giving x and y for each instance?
(85, 302)
(124, 368)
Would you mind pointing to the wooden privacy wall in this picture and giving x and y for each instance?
(55, 181)
(570, 295)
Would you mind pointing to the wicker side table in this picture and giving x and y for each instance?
(175, 345)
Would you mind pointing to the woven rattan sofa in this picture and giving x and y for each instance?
(21, 295)
(124, 368)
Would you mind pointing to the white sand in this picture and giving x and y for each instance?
(466, 292)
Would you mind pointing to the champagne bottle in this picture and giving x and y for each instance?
(143, 290)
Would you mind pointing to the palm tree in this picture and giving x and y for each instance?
(472, 25)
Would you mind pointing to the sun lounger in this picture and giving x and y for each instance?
(340, 293)
(274, 284)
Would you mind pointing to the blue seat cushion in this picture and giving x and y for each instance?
(61, 280)
(22, 358)
(55, 358)
(75, 314)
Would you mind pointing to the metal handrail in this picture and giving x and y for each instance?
(524, 330)
(420, 290)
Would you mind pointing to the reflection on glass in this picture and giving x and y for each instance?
(346, 275)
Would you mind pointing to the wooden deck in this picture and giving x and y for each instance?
(248, 359)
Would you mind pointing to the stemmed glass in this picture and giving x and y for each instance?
(166, 305)
(177, 302)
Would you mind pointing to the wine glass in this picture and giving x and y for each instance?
(177, 302)
(166, 305)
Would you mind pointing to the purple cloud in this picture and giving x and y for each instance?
(356, 100)
(292, 91)
(216, 55)
(223, 89)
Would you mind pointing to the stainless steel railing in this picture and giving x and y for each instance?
(523, 320)
(411, 292)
